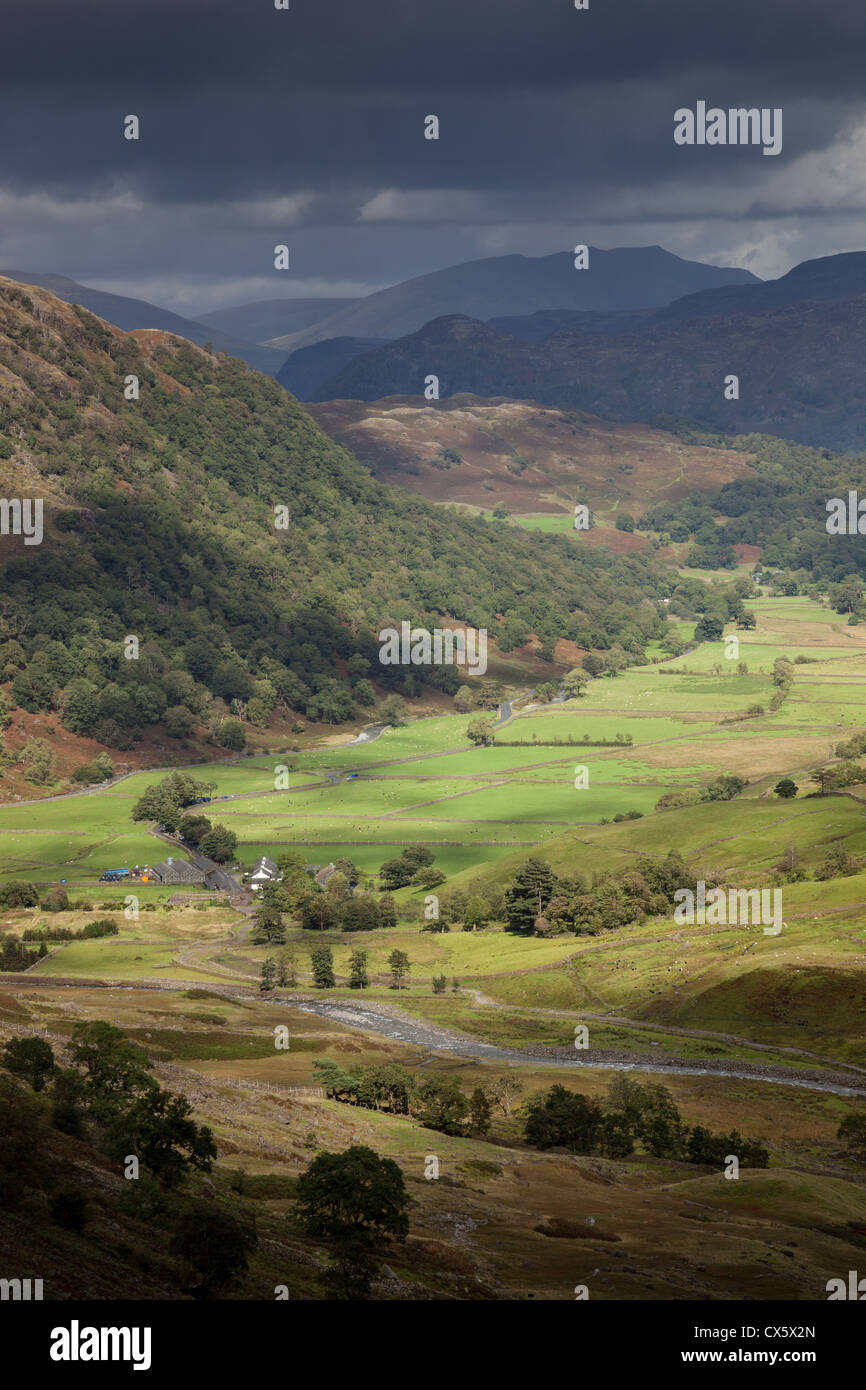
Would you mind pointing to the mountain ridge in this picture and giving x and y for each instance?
(262, 319)
(621, 278)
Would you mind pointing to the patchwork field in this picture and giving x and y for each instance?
(668, 726)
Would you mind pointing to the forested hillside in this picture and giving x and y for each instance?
(160, 524)
(780, 507)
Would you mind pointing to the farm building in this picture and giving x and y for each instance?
(221, 881)
(264, 871)
(322, 875)
(177, 871)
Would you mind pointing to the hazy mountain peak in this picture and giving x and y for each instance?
(642, 277)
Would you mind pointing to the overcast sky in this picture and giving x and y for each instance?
(305, 126)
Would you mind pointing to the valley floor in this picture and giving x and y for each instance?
(765, 1034)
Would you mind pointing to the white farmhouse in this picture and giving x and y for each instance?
(264, 871)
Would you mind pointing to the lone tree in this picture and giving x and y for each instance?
(709, 628)
(393, 711)
(576, 682)
(480, 731)
(215, 1245)
(159, 1129)
(354, 1195)
(443, 1105)
(786, 788)
(268, 927)
(116, 1070)
(323, 967)
(398, 963)
(287, 970)
(479, 1111)
(219, 843)
(269, 975)
(358, 977)
(528, 895)
(464, 699)
(826, 777)
(505, 1090)
(476, 913)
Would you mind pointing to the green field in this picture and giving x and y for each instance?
(423, 783)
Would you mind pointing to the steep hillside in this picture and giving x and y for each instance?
(129, 314)
(503, 1221)
(160, 524)
(637, 277)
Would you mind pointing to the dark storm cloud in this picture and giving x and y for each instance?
(365, 44)
(548, 114)
(235, 95)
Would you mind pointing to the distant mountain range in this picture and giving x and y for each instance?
(827, 277)
(830, 277)
(797, 346)
(633, 277)
(628, 350)
(264, 333)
